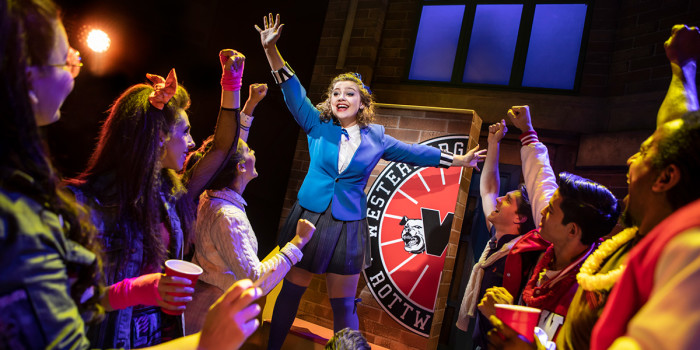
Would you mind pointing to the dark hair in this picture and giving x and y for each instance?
(588, 204)
(681, 147)
(365, 116)
(525, 209)
(347, 339)
(227, 172)
(28, 32)
(128, 153)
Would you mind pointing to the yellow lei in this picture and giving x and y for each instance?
(587, 277)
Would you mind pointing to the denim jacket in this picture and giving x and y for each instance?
(36, 310)
(123, 259)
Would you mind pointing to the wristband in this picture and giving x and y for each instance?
(446, 159)
(246, 121)
(528, 137)
(229, 109)
(292, 253)
(231, 79)
(283, 74)
(142, 290)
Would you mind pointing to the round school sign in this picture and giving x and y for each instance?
(409, 212)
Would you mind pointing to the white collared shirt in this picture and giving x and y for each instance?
(348, 146)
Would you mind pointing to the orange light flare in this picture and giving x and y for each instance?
(98, 41)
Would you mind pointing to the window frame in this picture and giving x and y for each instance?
(521, 46)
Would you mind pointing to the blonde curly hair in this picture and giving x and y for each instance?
(365, 116)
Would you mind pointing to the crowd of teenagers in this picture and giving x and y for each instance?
(82, 259)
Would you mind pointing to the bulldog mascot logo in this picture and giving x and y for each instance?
(409, 213)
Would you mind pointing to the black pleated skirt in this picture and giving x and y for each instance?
(340, 247)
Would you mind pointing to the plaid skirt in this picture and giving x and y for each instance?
(340, 247)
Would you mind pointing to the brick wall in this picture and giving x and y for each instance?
(625, 75)
(411, 126)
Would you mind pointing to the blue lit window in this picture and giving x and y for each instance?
(435, 48)
(518, 44)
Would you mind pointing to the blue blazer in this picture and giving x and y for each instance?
(344, 191)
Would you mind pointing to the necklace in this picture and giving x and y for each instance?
(588, 278)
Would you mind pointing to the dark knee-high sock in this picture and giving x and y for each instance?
(344, 314)
(283, 314)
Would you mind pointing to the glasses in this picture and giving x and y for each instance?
(73, 62)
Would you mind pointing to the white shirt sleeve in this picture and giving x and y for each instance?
(540, 181)
(234, 239)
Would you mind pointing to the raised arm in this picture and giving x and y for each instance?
(268, 37)
(683, 51)
(490, 178)
(256, 92)
(226, 132)
(540, 181)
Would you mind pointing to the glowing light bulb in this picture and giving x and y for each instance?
(98, 40)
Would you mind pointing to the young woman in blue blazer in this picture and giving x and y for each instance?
(344, 147)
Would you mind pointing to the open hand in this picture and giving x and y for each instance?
(493, 296)
(272, 31)
(497, 131)
(232, 318)
(520, 117)
(470, 159)
(256, 92)
(683, 45)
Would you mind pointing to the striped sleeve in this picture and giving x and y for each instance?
(528, 137)
(446, 159)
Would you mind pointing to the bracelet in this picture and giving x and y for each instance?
(229, 109)
(246, 121)
(283, 74)
(292, 253)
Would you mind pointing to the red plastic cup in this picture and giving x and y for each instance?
(522, 319)
(185, 269)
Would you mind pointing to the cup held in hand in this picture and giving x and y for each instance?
(184, 269)
(522, 319)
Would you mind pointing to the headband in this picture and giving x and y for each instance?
(163, 89)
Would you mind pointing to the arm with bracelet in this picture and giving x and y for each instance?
(256, 92)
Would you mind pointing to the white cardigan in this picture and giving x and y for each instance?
(226, 246)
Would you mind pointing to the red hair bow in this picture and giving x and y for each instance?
(163, 89)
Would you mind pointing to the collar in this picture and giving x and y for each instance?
(354, 130)
(228, 195)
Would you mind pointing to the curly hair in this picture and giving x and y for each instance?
(28, 37)
(365, 116)
(588, 204)
(129, 149)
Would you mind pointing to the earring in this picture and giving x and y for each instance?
(32, 97)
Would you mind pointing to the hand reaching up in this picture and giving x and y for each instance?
(272, 31)
(683, 45)
(232, 64)
(520, 117)
(256, 92)
(497, 131)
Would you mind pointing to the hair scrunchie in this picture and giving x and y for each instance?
(163, 89)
